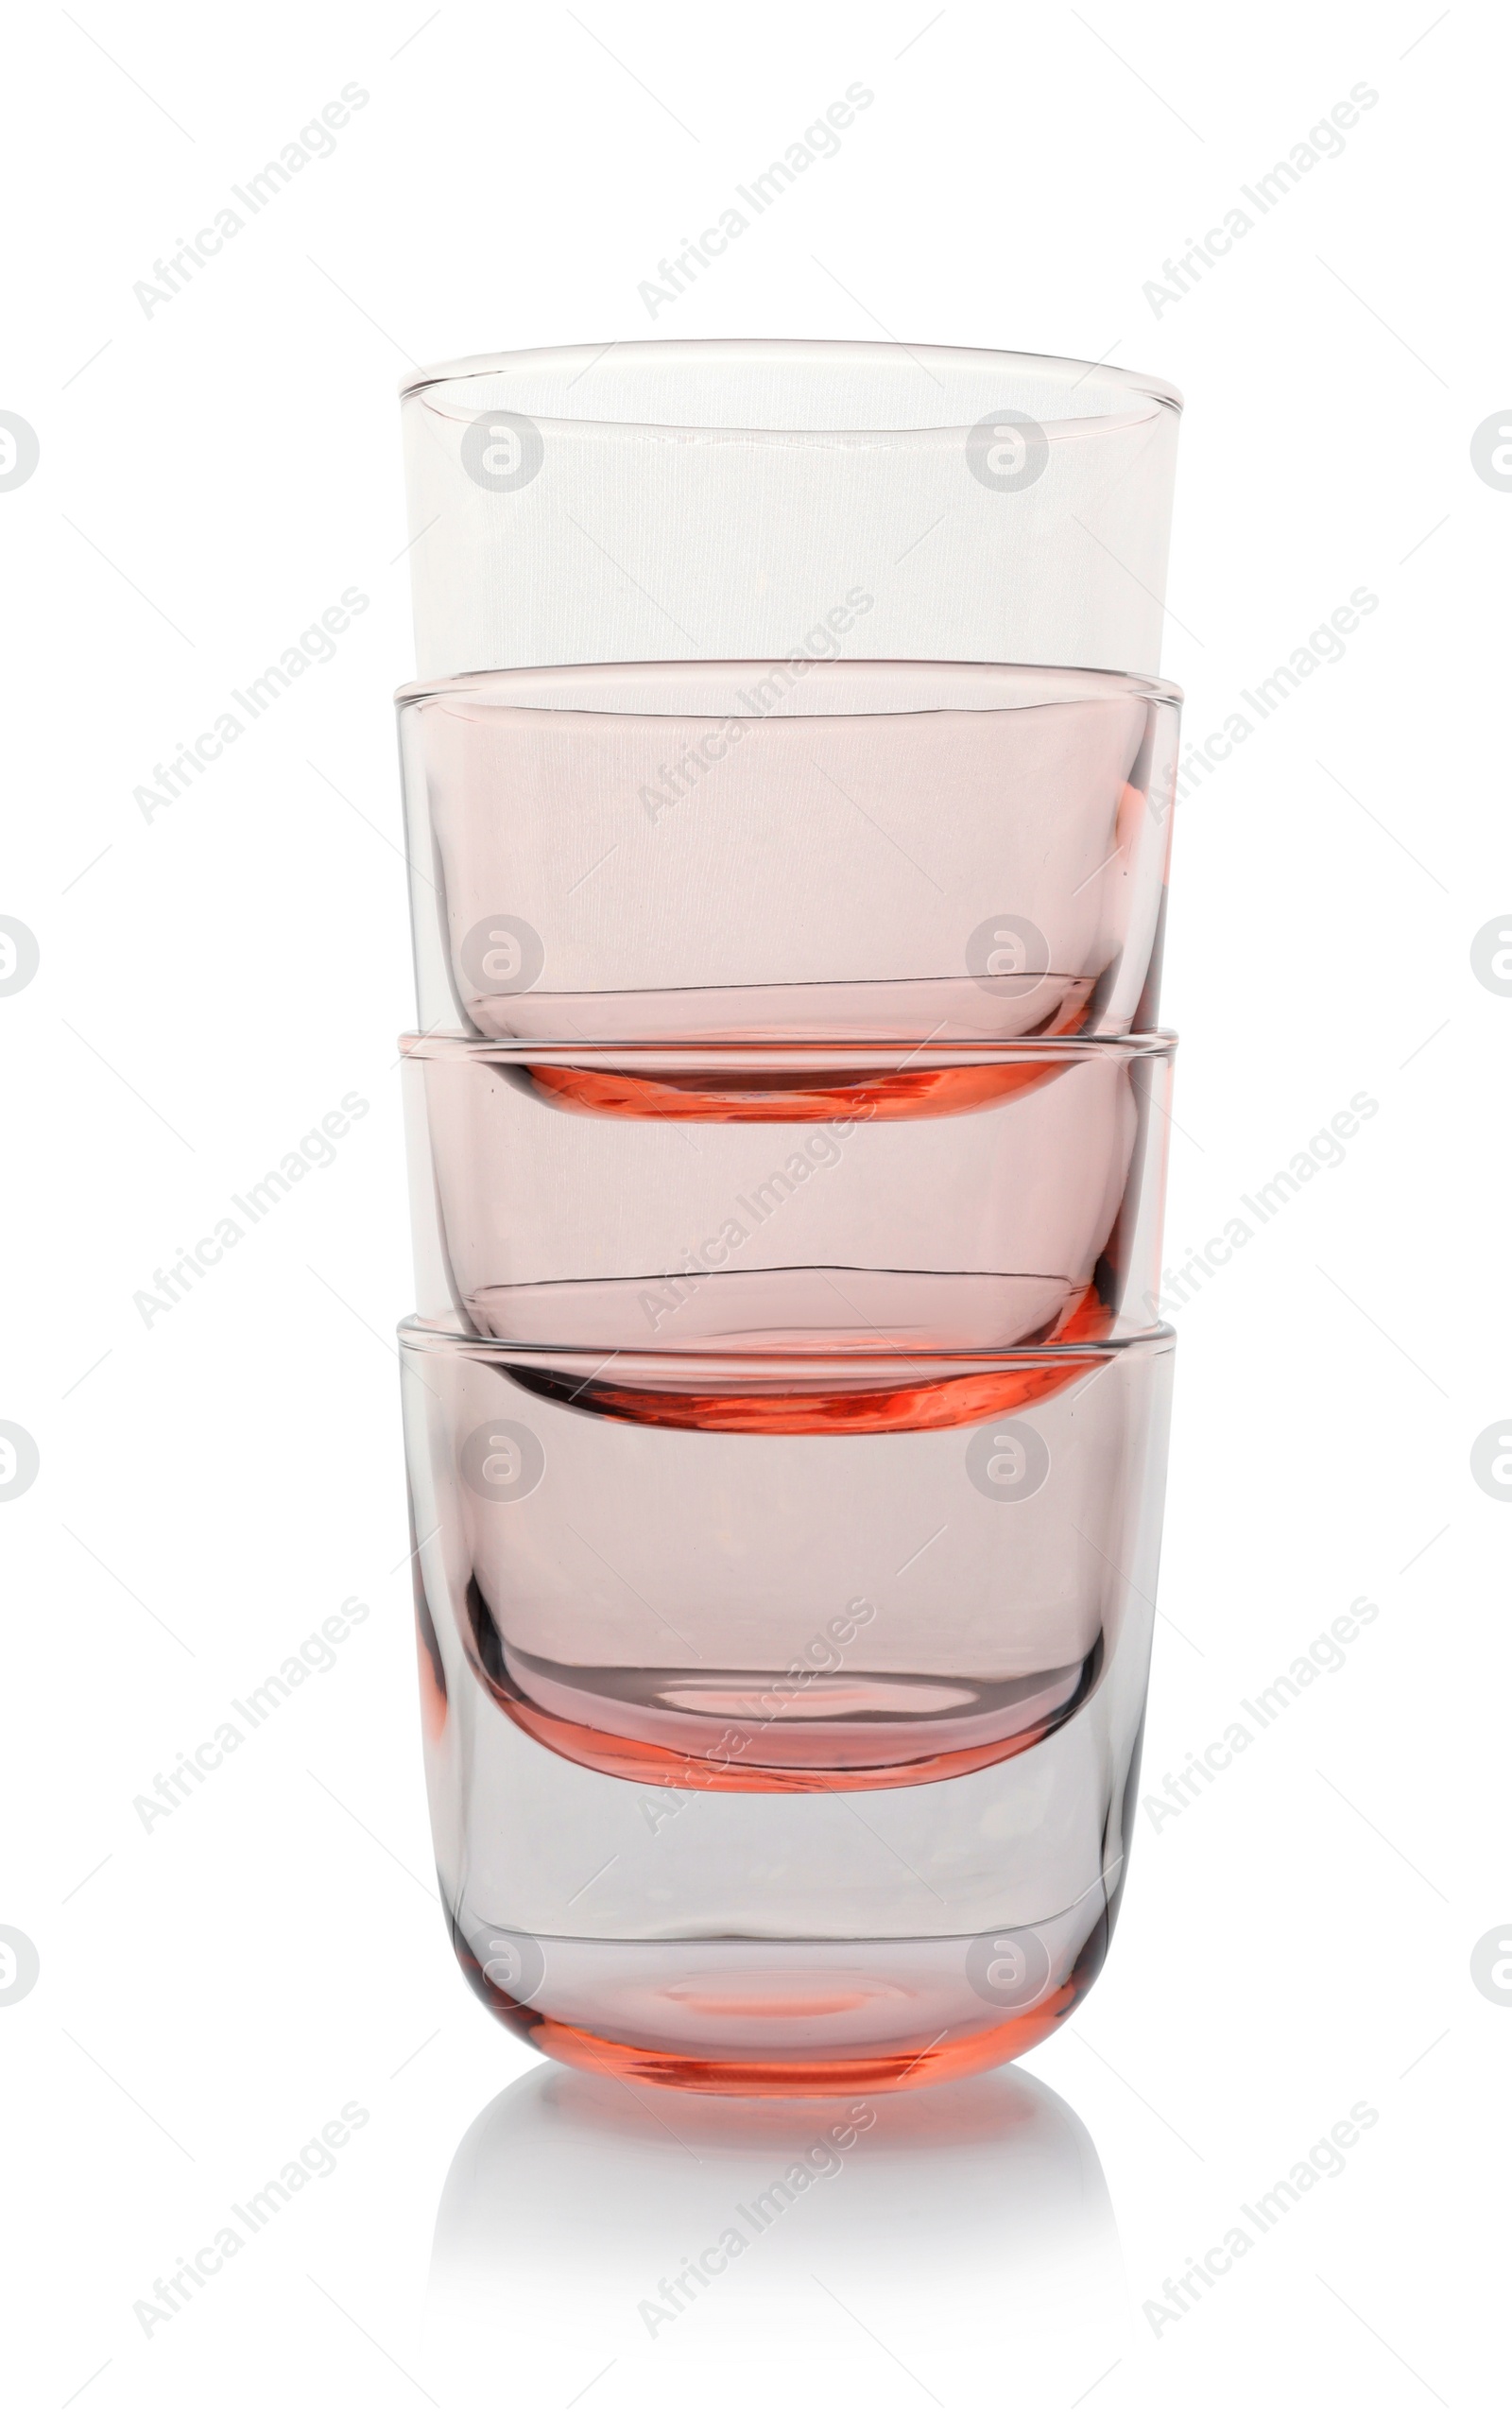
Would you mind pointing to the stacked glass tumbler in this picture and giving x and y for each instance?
(787, 786)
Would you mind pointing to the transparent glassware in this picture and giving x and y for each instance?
(765, 1575)
(730, 500)
(828, 850)
(789, 1760)
(799, 1199)
(787, 786)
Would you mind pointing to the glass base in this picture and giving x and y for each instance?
(790, 2018)
(903, 1729)
(903, 2069)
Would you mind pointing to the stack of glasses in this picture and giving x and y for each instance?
(787, 789)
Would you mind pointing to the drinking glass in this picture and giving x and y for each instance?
(724, 500)
(787, 787)
(816, 850)
(804, 1198)
(790, 1759)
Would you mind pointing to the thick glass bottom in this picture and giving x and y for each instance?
(766, 1730)
(944, 1008)
(790, 2018)
(903, 2069)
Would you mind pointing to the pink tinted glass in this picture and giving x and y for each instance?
(807, 850)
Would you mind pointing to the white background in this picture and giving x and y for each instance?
(212, 982)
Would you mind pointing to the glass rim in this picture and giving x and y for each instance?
(494, 683)
(419, 1335)
(820, 353)
(828, 1058)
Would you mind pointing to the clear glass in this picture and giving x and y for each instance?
(731, 500)
(810, 851)
(770, 1200)
(660, 1580)
(783, 1760)
(787, 786)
